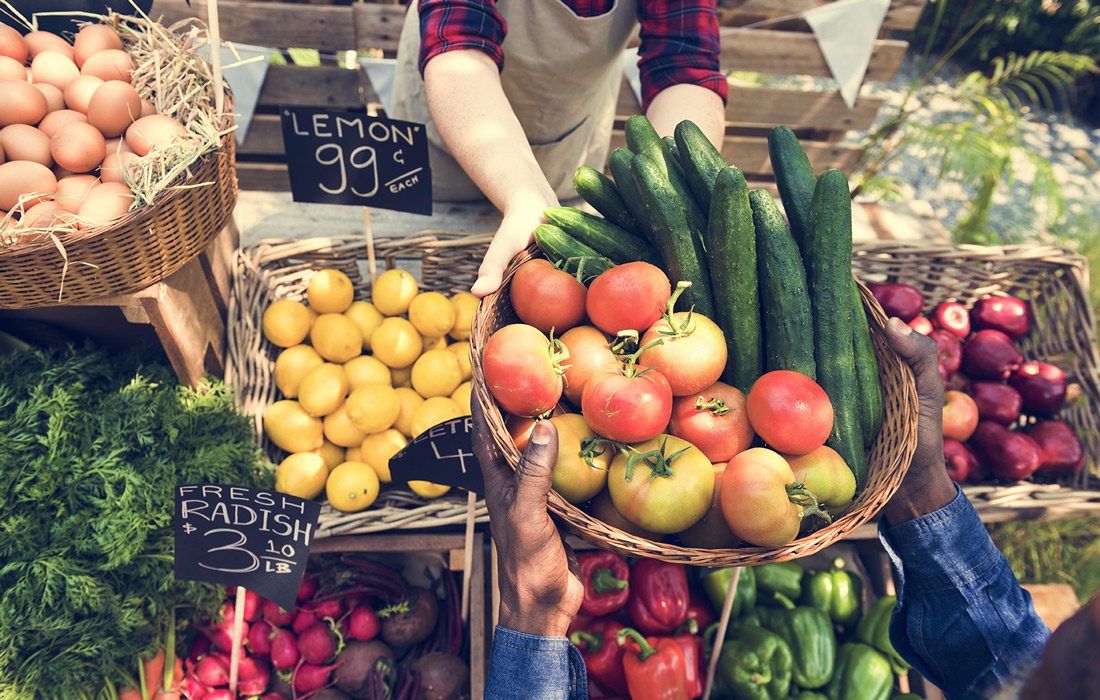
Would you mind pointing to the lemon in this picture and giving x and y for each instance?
(409, 401)
(289, 426)
(393, 291)
(286, 323)
(395, 342)
(332, 454)
(368, 318)
(293, 364)
(323, 389)
(336, 338)
(462, 396)
(432, 314)
(379, 448)
(430, 343)
(461, 350)
(341, 431)
(373, 408)
(365, 370)
(433, 412)
(351, 487)
(436, 373)
(401, 377)
(426, 489)
(465, 305)
(353, 454)
(330, 292)
(302, 474)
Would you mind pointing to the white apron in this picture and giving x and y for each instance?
(561, 74)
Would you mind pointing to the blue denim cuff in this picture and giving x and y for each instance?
(525, 665)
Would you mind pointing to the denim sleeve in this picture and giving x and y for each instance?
(962, 619)
(524, 666)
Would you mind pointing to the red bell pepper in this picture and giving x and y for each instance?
(580, 622)
(692, 645)
(606, 578)
(603, 657)
(699, 609)
(655, 667)
(658, 596)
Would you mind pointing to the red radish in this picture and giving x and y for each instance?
(303, 621)
(259, 638)
(193, 689)
(901, 300)
(252, 677)
(1061, 448)
(199, 648)
(960, 461)
(319, 643)
(253, 605)
(276, 615)
(948, 350)
(284, 650)
(1006, 314)
(997, 402)
(220, 694)
(990, 354)
(307, 589)
(362, 624)
(310, 677)
(628, 297)
(212, 670)
(921, 325)
(330, 608)
(1042, 386)
(1007, 454)
(952, 316)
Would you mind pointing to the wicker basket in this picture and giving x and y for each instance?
(887, 462)
(442, 261)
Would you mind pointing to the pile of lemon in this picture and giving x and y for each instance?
(360, 379)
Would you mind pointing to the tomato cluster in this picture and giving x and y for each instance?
(659, 445)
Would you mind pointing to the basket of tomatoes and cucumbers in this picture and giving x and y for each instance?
(718, 379)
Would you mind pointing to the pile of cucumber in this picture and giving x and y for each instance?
(783, 294)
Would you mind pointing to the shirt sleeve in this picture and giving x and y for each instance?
(523, 666)
(679, 44)
(446, 25)
(962, 619)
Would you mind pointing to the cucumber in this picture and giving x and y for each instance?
(598, 190)
(619, 163)
(732, 245)
(784, 296)
(870, 390)
(670, 144)
(701, 160)
(642, 138)
(681, 250)
(602, 236)
(569, 254)
(829, 264)
(795, 177)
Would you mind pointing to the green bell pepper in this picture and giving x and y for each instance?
(756, 665)
(717, 581)
(905, 696)
(809, 695)
(837, 593)
(861, 673)
(874, 629)
(785, 578)
(809, 634)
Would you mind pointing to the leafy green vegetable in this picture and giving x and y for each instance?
(91, 448)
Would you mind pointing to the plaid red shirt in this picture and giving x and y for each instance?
(679, 37)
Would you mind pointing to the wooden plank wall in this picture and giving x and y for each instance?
(333, 26)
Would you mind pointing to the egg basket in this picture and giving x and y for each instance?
(888, 458)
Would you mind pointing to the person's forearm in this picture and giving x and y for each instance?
(481, 130)
(934, 491)
(679, 102)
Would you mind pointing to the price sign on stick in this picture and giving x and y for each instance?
(443, 454)
(245, 537)
(350, 158)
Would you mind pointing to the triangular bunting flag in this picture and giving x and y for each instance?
(846, 31)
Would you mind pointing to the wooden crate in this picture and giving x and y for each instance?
(820, 118)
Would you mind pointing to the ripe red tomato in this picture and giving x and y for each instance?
(663, 485)
(790, 412)
(628, 297)
(755, 501)
(827, 476)
(546, 297)
(522, 370)
(589, 353)
(579, 474)
(712, 532)
(715, 420)
(626, 405)
(688, 348)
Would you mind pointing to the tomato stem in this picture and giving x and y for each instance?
(595, 446)
(558, 354)
(630, 361)
(659, 463)
(802, 497)
(674, 329)
(716, 406)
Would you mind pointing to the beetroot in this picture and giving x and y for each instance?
(361, 624)
(989, 354)
(310, 677)
(1042, 386)
(1059, 446)
(359, 661)
(1008, 315)
(901, 300)
(259, 638)
(252, 677)
(284, 650)
(442, 676)
(960, 461)
(997, 402)
(921, 325)
(953, 317)
(277, 616)
(318, 643)
(1007, 454)
(303, 621)
(307, 589)
(414, 621)
(212, 670)
(948, 350)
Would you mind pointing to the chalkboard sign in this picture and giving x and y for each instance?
(240, 536)
(443, 454)
(349, 158)
(59, 23)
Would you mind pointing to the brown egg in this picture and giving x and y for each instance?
(54, 68)
(112, 64)
(73, 190)
(24, 142)
(104, 204)
(55, 99)
(49, 215)
(79, 93)
(78, 147)
(55, 120)
(114, 106)
(20, 103)
(12, 44)
(11, 69)
(118, 145)
(19, 178)
(148, 108)
(94, 38)
(116, 164)
(37, 42)
(2, 155)
(149, 132)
